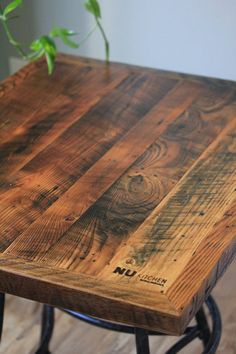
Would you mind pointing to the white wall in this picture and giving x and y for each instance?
(193, 36)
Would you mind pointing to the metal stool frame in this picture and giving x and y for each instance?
(210, 336)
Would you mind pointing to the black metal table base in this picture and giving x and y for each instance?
(46, 329)
(2, 305)
(209, 335)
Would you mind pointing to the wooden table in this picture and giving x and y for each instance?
(117, 190)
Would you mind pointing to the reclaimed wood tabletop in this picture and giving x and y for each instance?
(117, 189)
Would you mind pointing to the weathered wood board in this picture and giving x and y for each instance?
(117, 189)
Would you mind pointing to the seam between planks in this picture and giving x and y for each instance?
(109, 165)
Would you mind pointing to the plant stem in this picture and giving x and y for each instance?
(10, 36)
(107, 45)
(88, 35)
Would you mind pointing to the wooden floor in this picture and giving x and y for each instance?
(22, 321)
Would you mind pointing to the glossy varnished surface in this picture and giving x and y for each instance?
(117, 189)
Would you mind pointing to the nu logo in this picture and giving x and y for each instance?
(124, 271)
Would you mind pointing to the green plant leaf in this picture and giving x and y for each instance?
(93, 7)
(45, 45)
(12, 6)
(60, 31)
(36, 45)
(50, 62)
(35, 55)
(64, 34)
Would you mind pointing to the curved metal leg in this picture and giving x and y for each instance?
(214, 340)
(142, 343)
(210, 338)
(202, 323)
(46, 330)
(2, 305)
(188, 338)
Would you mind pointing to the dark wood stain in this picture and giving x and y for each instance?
(120, 166)
(80, 146)
(122, 209)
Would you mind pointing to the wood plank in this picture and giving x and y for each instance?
(91, 242)
(32, 82)
(207, 264)
(9, 84)
(169, 237)
(50, 111)
(69, 208)
(28, 193)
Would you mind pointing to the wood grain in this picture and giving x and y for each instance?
(117, 190)
(146, 182)
(72, 336)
